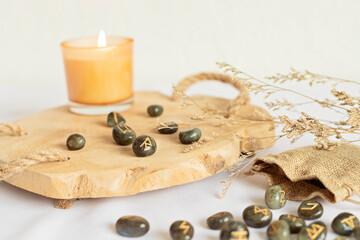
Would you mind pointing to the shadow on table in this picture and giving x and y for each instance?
(24, 197)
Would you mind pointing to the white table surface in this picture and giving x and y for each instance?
(24, 215)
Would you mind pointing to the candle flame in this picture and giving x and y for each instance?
(101, 39)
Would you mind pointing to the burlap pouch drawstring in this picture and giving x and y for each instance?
(18, 165)
(307, 172)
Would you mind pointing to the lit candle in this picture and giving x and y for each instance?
(99, 73)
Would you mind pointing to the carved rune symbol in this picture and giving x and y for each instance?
(146, 143)
(282, 198)
(123, 128)
(292, 217)
(185, 227)
(274, 227)
(349, 221)
(315, 231)
(314, 205)
(264, 211)
(238, 235)
(115, 117)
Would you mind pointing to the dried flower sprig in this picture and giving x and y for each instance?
(309, 77)
(345, 99)
(201, 142)
(261, 86)
(237, 168)
(327, 133)
(322, 130)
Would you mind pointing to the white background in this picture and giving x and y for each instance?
(179, 37)
(172, 39)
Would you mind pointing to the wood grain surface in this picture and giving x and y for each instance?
(105, 169)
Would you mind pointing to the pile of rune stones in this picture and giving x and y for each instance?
(255, 216)
(143, 145)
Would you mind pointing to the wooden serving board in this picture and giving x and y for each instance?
(105, 169)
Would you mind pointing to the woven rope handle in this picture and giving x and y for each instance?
(17, 166)
(11, 129)
(242, 99)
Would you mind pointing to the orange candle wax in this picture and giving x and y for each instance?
(98, 75)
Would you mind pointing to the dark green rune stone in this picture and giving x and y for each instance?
(181, 230)
(189, 136)
(234, 230)
(344, 224)
(257, 216)
(132, 226)
(275, 197)
(144, 146)
(295, 223)
(310, 210)
(114, 119)
(155, 110)
(218, 220)
(279, 230)
(75, 142)
(315, 231)
(168, 128)
(357, 233)
(123, 134)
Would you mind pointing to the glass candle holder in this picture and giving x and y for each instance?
(99, 79)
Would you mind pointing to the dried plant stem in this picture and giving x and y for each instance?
(276, 136)
(337, 79)
(235, 122)
(235, 175)
(190, 98)
(207, 139)
(237, 170)
(228, 67)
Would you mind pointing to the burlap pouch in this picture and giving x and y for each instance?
(307, 172)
